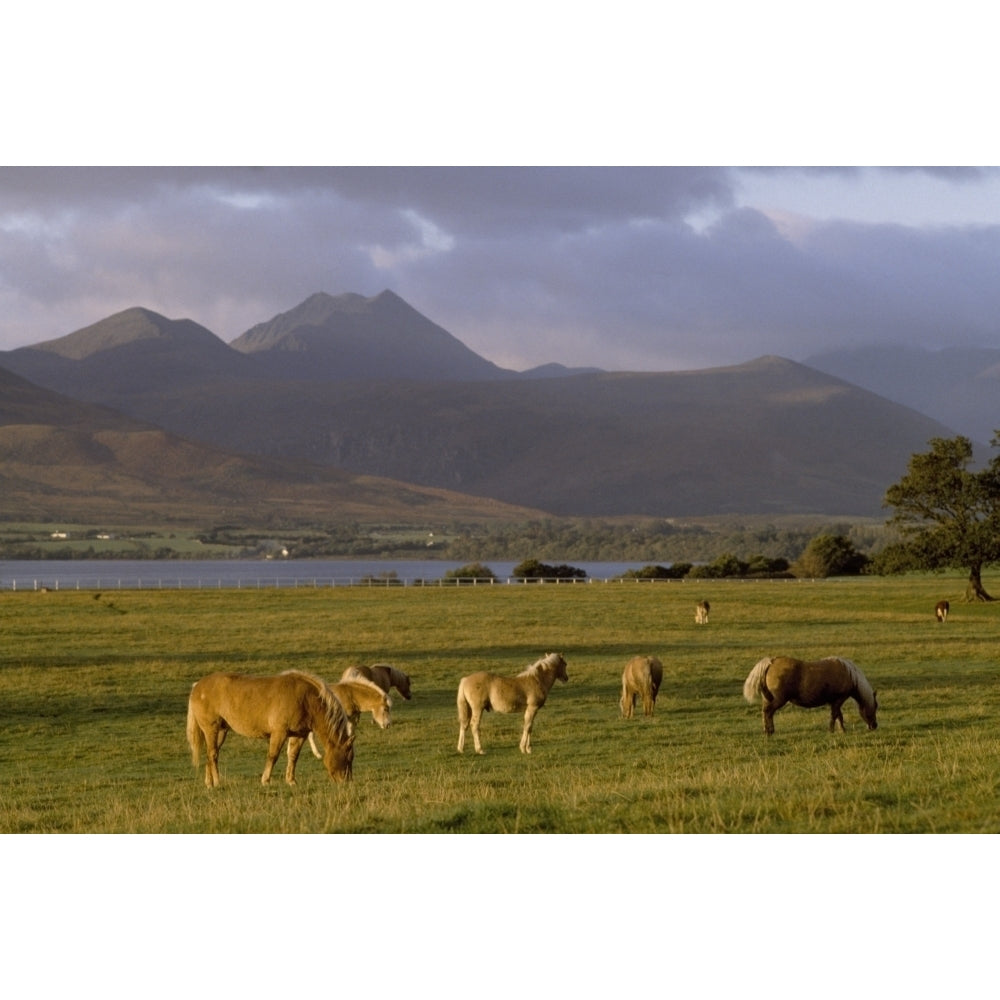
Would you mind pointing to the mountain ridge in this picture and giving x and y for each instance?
(770, 435)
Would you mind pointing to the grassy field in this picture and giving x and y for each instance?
(93, 692)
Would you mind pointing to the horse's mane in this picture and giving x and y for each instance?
(336, 717)
(359, 678)
(549, 660)
(865, 691)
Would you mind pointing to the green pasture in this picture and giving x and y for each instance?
(93, 694)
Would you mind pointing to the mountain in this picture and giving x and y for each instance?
(61, 459)
(130, 353)
(770, 436)
(958, 386)
(336, 338)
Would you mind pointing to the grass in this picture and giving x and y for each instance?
(93, 692)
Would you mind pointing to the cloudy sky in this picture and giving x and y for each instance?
(626, 268)
(648, 268)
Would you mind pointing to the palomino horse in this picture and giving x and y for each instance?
(941, 610)
(782, 679)
(641, 678)
(355, 697)
(484, 691)
(701, 611)
(382, 674)
(292, 704)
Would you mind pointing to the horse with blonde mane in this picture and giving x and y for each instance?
(285, 707)
(778, 680)
(384, 675)
(527, 691)
(355, 697)
(641, 678)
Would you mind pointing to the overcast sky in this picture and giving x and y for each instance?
(622, 268)
(651, 268)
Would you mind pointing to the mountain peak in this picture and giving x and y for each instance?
(123, 328)
(350, 336)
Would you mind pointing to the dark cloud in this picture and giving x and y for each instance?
(619, 267)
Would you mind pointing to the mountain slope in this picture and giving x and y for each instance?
(130, 353)
(332, 338)
(61, 459)
(769, 436)
(958, 386)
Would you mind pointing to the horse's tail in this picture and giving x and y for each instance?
(194, 735)
(754, 686)
(464, 708)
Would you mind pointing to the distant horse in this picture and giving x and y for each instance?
(382, 674)
(782, 679)
(355, 697)
(292, 704)
(641, 678)
(701, 612)
(483, 692)
(941, 610)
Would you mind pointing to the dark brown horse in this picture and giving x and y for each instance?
(779, 680)
(292, 704)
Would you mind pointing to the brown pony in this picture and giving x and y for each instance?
(276, 708)
(355, 697)
(941, 610)
(701, 611)
(782, 679)
(641, 678)
(484, 692)
(382, 674)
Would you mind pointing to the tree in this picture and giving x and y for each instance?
(949, 516)
(830, 555)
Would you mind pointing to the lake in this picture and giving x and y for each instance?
(139, 574)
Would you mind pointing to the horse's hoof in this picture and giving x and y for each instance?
(481, 753)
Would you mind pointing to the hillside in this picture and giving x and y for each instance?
(130, 353)
(767, 437)
(958, 386)
(65, 460)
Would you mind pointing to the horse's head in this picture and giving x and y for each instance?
(382, 715)
(339, 759)
(868, 712)
(560, 667)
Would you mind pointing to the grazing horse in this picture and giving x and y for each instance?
(292, 704)
(701, 612)
(641, 678)
(941, 610)
(382, 674)
(782, 679)
(483, 692)
(355, 697)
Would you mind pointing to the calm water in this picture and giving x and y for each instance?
(129, 574)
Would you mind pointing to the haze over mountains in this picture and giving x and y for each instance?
(368, 387)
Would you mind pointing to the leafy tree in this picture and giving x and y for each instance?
(830, 555)
(948, 515)
(473, 571)
(532, 569)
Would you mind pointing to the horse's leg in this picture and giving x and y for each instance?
(768, 713)
(274, 745)
(213, 740)
(295, 745)
(529, 717)
(837, 716)
(474, 723)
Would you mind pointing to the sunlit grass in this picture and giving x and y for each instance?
(93, 693)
